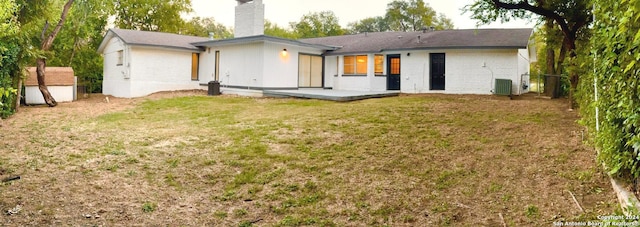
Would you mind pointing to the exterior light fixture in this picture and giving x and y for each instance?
(284, 52)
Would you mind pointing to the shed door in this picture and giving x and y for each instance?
(437, 71)
(309, 71)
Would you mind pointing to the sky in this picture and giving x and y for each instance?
(282, 12)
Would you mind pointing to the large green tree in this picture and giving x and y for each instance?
(370, 24)
(415, 15)
(274, 30)
(76, 45)
(570, 16)
(151, 15)
(199, 26)
(9, 50)
(318, 24)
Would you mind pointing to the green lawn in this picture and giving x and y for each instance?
(428, 160)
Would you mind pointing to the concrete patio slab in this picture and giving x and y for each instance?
(328, 94)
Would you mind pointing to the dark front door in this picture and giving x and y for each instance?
(393, 72)
(437, 71)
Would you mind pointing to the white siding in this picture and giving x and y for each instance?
(282, 71)
(466, 72)
(414, 71)
(145, 70)
(255, 65)
(474, 72)
(33, 96)
(114, 81)
(154, 70)
(524, 67)
(207, 66)
(240, 65)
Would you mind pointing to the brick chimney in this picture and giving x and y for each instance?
(249, 18)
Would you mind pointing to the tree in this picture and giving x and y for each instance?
(8, 57)
(274, 30)
(371, 24)
(198, 26)
(318, 25)
(571, 16)
(415, 15)
(151, 15)
(8, 9)
(76, 45)
(45, 45)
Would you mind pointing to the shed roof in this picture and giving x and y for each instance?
(445, 39)
(54, 76)
(155, 39)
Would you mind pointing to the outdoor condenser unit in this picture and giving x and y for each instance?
(503, 87)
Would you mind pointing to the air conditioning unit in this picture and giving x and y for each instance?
(503, 87)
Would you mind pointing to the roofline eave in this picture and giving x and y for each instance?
(261, 38)
(197, 49)
(427, 48)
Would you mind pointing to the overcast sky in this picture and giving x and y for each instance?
(284, 11)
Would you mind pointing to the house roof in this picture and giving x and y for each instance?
(56, 76)
(261, 38)
(154, 39)
(373, 42)
(445, 39)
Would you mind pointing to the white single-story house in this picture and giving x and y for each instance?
(60, 81)
(138, 63)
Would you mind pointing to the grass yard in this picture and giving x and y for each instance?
(188, 159)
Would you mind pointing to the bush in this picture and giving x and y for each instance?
(9, 71)
(615, 48)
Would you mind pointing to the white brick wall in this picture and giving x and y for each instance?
(466, 71)
(145, 70)
(249, 20)
(114, 81)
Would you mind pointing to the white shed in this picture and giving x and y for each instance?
(60, 82)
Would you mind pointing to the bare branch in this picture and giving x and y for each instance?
(44, 30)
(524, 5)
(46, 44)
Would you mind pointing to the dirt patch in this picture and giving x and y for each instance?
(184, 158)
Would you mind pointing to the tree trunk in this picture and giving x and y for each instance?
(41, 63)
(40, 67)
(573, 76)
(19, 94)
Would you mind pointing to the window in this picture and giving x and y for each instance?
(217, 73)
(379, 64)
(395, 66)
(120, 57)
(349, 65)
(355, 64)
(195, 58)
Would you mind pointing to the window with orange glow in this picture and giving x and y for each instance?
(349, 65)
(355, 65)
(379, 64)
(395, 66)
(195, 58)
